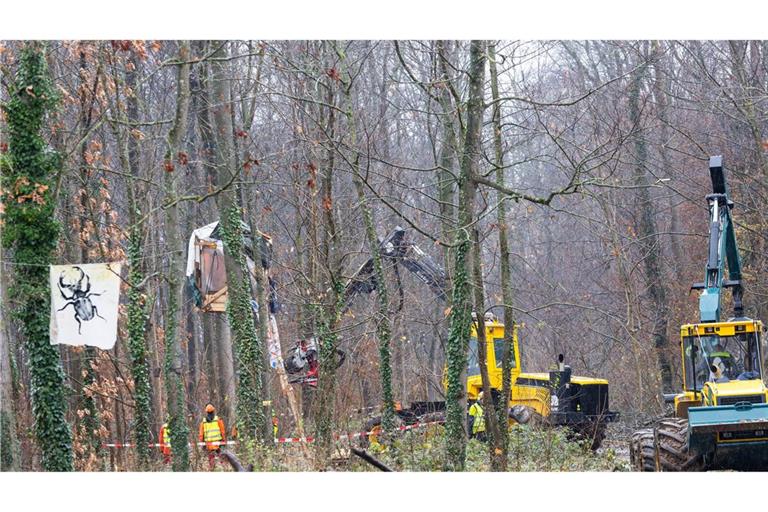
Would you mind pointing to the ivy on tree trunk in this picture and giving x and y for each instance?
(31, 235)
(137, 348)
(383, 324)
(461, 308)
(249, 364)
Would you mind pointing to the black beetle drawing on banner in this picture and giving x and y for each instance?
(79, 298)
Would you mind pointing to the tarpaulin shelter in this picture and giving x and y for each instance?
(206, 274)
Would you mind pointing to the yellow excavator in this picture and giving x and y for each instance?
(721, 416)
(556, 398)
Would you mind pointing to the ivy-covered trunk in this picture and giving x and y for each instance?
(383, 324)
(137, 315)
(31, 234)
(456, 349)
(461, 301)
(250, 413)
(329, 305)
(137, 347)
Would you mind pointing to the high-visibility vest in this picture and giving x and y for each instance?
(476, 411)
(166, 435)
(211, 430)
(373, 439)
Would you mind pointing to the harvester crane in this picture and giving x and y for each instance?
(722, 248)
(555, 397)
(302, 359)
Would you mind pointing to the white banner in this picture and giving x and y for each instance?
(273, 342)
(84, 300)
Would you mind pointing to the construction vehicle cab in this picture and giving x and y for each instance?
(494, 336)
(721, 353)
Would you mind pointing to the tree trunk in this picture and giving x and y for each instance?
(328, 308)
(137, 310)
(90, 419)
(8, 441)
(31, 235)
(505, 263)
(648, 236)
(461, 309)
(495, 446)
(250, 413)
(383, 326)
(174, 329)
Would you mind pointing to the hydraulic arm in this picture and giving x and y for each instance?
(722, 248)
(398, 250)
(303, 357)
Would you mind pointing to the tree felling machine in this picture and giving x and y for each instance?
(721, 415)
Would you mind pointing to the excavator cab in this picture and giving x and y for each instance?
(494, 353)
(720, 353)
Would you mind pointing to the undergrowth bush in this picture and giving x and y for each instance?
(530, 449)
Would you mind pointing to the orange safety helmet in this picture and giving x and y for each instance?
(210, 408)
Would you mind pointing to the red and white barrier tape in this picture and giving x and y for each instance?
(158, 445)
(282, 440)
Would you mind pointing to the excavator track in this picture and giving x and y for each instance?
(671, 447)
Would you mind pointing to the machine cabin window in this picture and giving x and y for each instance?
(721, 359)
(473, 365)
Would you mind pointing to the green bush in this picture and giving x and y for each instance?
(530, 449)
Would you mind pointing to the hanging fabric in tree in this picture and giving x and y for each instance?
(84, 300)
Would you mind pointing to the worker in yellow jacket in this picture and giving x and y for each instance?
(213, 434)
(374, 440)
(477, 419)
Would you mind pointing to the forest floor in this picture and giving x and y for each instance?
(530, 449)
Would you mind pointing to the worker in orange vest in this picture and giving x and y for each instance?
(213, 434)
(165, 443)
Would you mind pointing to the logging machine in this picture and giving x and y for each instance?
(721, 416)
(557, 398)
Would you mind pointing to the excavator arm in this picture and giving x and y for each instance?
(722, 249)
(394, 248)
(398, 250)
